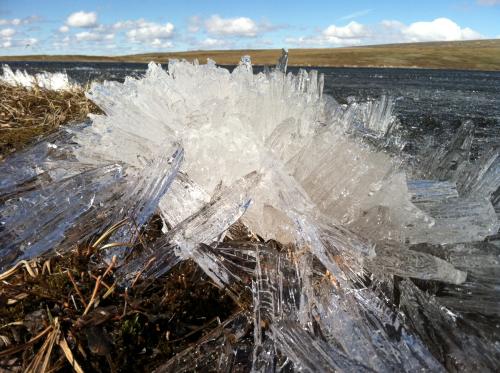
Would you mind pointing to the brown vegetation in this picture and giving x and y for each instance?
(68, 312)
(473, 55)
(27, 113)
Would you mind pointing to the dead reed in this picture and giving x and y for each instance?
(28, 113)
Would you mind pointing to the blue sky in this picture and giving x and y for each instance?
(115, 27)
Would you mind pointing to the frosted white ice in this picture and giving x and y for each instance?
(231, 124)
(52, 81)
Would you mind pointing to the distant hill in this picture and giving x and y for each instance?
(468, 55)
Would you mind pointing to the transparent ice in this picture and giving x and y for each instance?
(354, 217)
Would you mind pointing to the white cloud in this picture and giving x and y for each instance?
(19, 21)
(211, 43)
(63, 29)
(149, 31)
(30, 41)
(353, 30)
(15, 36)
(351, 34)
(356, 14)
(194, 24)
(7, 32)
(241, 26)
(441, 29)
(15, 22)
(388, 31)
(93, 36)
(82, 19)
(121, 25)
(392, 24)
(19, 43)
(158, 43)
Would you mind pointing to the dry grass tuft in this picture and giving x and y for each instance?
(68, 312)
(26, 114)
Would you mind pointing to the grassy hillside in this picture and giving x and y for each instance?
(473, 55)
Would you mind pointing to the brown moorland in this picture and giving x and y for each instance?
(467, 55)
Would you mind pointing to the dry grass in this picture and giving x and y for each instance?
(68, 312)
(26, 114)
(468, 55)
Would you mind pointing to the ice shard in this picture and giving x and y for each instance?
(52, 81)
(446, 336)
(202, 227)
(78, 206)
(34, 222)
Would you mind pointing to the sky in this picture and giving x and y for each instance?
(114, 27)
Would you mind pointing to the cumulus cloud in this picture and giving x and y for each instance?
(388, 31)
(96, 35)
(240, 26)
(30, 42)
(7, 32)
(11, 43)
(6, 35)
(149, 31)
(440, 29)
(351, 34)
(19, 21)
(82, 19)
(353, 30)
(93, 36)
(159, 43)
(123, 25)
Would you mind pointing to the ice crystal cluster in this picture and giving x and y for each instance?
(358, 222)
(52, 81)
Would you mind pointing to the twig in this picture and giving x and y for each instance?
(102, 282)
(94, 294)
(111, 265)
(142, 271)
(110, 291)
(76, 288)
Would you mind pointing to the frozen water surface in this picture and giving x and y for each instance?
(361, 211)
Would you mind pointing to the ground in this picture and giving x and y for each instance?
(467, 55)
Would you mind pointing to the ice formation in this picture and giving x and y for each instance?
(353, 216)
(53, 81)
